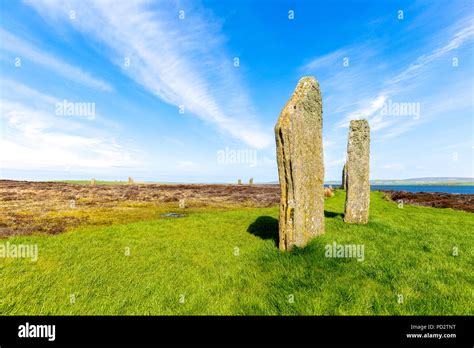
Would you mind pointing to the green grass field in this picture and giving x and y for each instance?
(225, 262)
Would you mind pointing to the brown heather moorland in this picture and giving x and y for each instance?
(54, 207)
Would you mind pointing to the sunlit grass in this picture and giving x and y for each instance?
(224, 261)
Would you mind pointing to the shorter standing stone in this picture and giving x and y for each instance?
(356, 209)
(130, 180)
(182, 203)
(239, 182)
(344, 178)
(251, 181)
(93, 181)
(328, 192)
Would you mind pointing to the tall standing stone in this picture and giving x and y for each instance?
(251, 181)
(298, 134)
(344, 178)
(358, 187)
(239, 182)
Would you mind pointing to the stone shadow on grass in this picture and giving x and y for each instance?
(265, 227)
(331, 214)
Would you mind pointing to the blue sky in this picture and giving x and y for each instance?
(191, 90)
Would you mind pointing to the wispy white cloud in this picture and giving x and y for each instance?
(27, 51)
(415, 70)
(336, 163)
(366, 109)
(331, 59)
(463, 144)
(34, 138)
(417, 74)
(186, 165)
(392, 166)
(181, 61)
(350, 55)
(370, 107)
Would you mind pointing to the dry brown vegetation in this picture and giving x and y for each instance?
(434, 199)
(52, 207)
(328, 192)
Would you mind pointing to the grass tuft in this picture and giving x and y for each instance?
(225, 262)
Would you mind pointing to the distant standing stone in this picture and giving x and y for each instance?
(130, 180)
(357, 178)
(299, 144)
(93, 181)
(344, 178)
(251, 181)
(239, 182)
(328, 192)
(182, 203)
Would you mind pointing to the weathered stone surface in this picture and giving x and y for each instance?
(251, 181)
(357, 178)
(298, 134)
(344, 178)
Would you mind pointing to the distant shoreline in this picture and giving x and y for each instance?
(333, 183)
(463, 202)
(469, 183)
